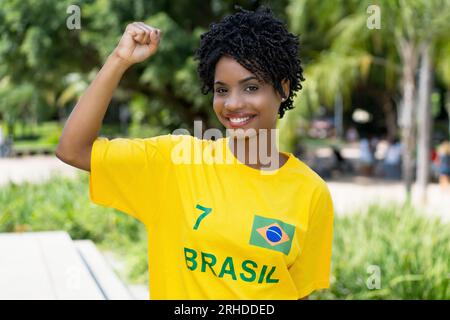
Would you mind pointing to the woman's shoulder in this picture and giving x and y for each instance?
(307, 174)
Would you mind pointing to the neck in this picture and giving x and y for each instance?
(258, 151)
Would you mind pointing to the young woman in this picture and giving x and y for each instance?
(257, 227)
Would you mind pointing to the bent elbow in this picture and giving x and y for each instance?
(63, 156)
(80, 160)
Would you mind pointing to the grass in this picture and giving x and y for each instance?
(411, 252)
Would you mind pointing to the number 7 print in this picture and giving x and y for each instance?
(205, 210)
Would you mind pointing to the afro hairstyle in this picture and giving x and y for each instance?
(259, 42)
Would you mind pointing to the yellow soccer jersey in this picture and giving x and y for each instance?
(218, 230)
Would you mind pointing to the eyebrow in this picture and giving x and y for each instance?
(240, 81)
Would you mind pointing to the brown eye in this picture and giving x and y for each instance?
(251, 88)
(219, 90)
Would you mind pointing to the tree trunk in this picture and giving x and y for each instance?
(424, 122)
(409, 63)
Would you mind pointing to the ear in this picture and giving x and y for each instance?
(285, 84)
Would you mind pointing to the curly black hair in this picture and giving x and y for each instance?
(260, 43)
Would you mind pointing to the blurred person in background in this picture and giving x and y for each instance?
(352, 134)
(444, 165)
(392, 160)
(434, 163)
(367, 157)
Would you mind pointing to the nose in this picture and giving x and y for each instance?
(234, 103)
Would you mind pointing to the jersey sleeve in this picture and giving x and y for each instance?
(130, 175)
(311, 269)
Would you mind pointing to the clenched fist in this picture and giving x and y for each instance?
(138, 42)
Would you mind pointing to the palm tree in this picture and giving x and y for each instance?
(347, 50)
(419, 26)
(340, 53)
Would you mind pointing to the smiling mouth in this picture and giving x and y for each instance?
(239, 122)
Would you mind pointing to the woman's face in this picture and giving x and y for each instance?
(243, 102)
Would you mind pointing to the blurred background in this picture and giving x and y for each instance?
(372, 120)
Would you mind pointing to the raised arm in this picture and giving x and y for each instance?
(138, 43)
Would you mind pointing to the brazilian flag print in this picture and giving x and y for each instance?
(272, 234)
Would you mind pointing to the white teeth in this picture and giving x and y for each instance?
(238, 120)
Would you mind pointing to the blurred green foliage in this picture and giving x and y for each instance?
(410, 249)
(45, 67)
